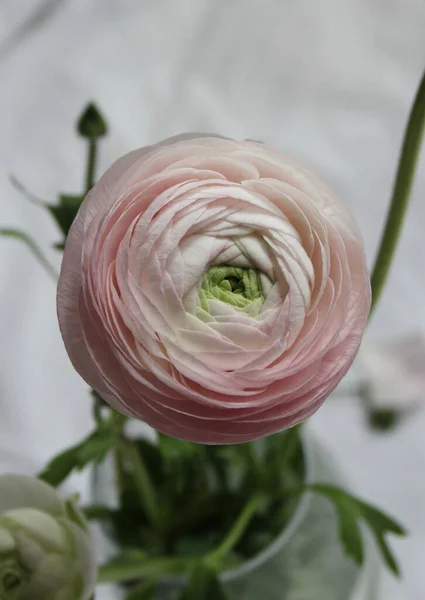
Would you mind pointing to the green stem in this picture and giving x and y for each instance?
(142, 480)
(97, 411)
(119, 572)
(151, 568)
(236, 532)
(91, 164)
(26, 239)
(401, 193)
(292, 438)
(96, 511)
(253, 461)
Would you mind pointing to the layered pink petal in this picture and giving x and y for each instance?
(129, 299)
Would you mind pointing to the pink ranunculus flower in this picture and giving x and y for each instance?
(215, 289)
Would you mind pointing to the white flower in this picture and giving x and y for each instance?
(45, 549)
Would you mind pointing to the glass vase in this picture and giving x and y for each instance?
(305, 562)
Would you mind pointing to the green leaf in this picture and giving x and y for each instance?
(349, 532)
(144, 591)
(97, 445)
(283, 464)
(350, 509)
(91, 123)
(58, 469)
(380, 519)
(26, 239)
(204, 584)
(173, 449)
(176, 456)
(65, 212)
(92, 449)
(128, 567)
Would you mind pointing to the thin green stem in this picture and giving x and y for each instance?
(26, 239)
(401, 193)
(97, 411)
(237, 530)
(116, 572)
(292, 438)
(96, 511)
(91, 164)
(254, 462)
(117, 419)
(145, 488)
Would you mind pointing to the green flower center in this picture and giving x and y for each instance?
(236, 286)
(12, 578)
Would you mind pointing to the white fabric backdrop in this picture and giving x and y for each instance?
(330, 81)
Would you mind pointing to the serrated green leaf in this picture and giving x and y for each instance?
(203, 584)
(97, 446)
(350, 508)
(381, 519)
(91, 123)
(92, 449)
(58, 469)
(29, 242)
(350, 533)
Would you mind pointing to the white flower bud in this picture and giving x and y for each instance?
(45, 549)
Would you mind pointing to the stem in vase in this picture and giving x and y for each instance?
(145, 488)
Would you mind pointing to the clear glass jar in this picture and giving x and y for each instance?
(306, 562)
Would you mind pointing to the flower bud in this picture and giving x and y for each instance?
(45, 549)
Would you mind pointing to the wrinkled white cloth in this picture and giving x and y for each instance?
(329, 81)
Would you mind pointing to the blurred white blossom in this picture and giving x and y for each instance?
(392, 373)
(45, 549)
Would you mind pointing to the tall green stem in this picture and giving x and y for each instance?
(91, 164)
(237, 530)
(142, 480)
(116, 572)
(401, 193)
